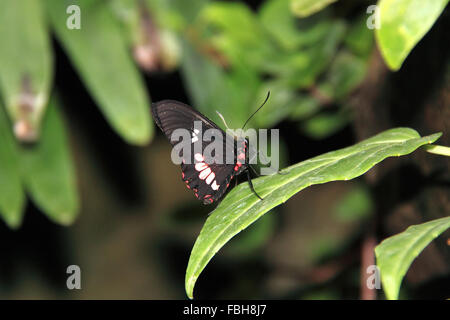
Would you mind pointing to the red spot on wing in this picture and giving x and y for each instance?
(237, 166)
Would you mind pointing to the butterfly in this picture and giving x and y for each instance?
(208, 180)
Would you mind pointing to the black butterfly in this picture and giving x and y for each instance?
(208, 180)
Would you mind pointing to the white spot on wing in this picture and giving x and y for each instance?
(214, 185)
(199, 157)
(210, 178)
(200, 166)
(204, 173)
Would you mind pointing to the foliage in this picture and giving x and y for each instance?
(26, 67)
(241, 208)
(395, 254)
(304, 8)
(93, 49)
(12, 196)
(402, 24)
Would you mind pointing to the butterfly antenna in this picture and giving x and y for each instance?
(223, 119)
(267, 98)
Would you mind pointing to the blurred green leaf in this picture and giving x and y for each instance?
(12, 196)
(127, 11)
(149, 30)
(234, 30)
(302, 68)
(187, 10)
(25, 65)
(241, 207)
(100, 53)
(290, 31)
(304, 107)
(48, 171)
(395, 254)
(403, 23)
(357, 204)
(359, 38)
(277, 107)
(304, 8)
(201, 76)
(238, 36)
(211, 88)
(345, 73)
(324, 124)
(284, 102)
(165, 14)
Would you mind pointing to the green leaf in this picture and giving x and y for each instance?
(12, 196)
(284, 102)
(188, 10)
(25, 65)
(241, 207)
(305, 106)
(48, 171)
(324, 124)
(345, 73)
(304, 8)
(440, 150)
(279, 105)
(200, 75)
(290, 31)
(303, 67)
(402, 24)
(211, 88)
(148, 29)
(128, 13)
(360, 39)
(99, 52)
(234, 30)
(395, 254)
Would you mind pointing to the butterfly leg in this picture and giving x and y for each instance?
(254, 171)
(251, 185)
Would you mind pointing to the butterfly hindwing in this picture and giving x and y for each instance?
(220, 177)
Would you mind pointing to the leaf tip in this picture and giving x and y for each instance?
(139, 136)
(13, 222)
(190, 283)
(65, 218)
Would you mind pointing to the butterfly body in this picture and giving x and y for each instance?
(208, 178)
